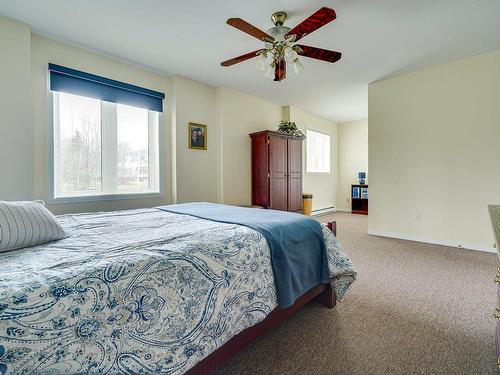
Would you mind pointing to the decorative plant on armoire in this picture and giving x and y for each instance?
(289, 127)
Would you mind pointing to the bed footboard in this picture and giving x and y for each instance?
(332, 225)
(327, 297)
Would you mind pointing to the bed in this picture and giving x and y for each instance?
(144, 291)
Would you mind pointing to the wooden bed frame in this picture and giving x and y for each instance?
(322, 293)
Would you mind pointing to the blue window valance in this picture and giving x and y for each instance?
(85, 84)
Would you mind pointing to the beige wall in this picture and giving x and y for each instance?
(226, 166)
(43, 51)
(196, 170)
(15, 110)
(434, 149)
(353, 158)
(241, 114)
(223, 172)
(323, 186)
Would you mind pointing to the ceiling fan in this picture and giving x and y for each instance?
(279, 43)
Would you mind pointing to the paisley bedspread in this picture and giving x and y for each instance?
(137, 291)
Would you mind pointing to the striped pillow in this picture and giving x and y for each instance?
(26, 223)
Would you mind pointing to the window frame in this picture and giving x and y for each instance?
(52, 198)
(306, 161)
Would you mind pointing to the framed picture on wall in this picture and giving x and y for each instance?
(197, 136)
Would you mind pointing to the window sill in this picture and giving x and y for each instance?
(100, 198)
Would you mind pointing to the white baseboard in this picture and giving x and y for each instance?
(434, 241)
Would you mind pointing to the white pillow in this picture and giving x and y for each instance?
(27, 223)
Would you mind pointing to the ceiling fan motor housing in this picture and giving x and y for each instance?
(279, 31)
(279, 18)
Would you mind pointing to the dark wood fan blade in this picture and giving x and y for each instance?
(280, 71)
(319, 53)
(249, 29)
(315, 21)
(241, 58)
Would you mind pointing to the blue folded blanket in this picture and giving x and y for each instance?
(298, 253)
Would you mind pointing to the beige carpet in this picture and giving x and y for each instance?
(415, 309)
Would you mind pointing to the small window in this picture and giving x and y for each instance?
(103, 148)
(317, 152)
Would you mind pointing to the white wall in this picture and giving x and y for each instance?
(323, 186)
(43, 51)
(15, 110)
(353, 158)
(434, 148)
(196, 170)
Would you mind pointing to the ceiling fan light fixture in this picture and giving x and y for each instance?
(290, 54)
(297, 66)
(270, 71)
(261, 61)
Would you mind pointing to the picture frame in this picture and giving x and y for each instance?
(197, 136)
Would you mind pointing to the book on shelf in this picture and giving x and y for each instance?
(364, 193)
(355, 192)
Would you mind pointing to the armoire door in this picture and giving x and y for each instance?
(260, 170)
(294, 175)
(278, 173)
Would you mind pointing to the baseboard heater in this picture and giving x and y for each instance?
(322, 211)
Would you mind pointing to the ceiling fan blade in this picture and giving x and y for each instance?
(241, 58)
(319, 53)
(249, 29)
(280, 71)
(313, 22)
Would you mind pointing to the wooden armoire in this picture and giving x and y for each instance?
(276, 171)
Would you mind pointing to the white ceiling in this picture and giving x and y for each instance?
(378, 39)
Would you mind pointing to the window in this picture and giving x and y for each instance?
(317, 152)
(103, 148)
(106, 137)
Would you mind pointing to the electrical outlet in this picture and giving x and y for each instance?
(418, 216)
